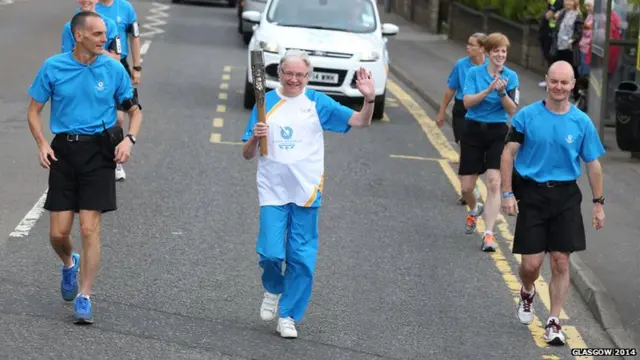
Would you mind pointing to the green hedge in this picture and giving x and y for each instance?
(523, 11)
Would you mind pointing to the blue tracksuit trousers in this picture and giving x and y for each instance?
(289, 234)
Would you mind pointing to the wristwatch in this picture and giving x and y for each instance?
(599, 200)
(132, 138)
(137, 68)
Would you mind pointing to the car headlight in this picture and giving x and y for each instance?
(270, 47)
(369, 56)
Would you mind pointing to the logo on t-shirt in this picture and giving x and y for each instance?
(569, 139)
(286, 133)
(100, 86)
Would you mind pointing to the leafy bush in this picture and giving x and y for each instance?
(633, 20)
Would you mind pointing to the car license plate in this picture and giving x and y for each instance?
(325, 78)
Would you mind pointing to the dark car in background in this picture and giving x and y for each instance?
(245, 28)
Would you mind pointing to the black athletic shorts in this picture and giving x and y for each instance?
(458, 113)
(549, 218)
(481, 147)
(124, 63)
(83, 178)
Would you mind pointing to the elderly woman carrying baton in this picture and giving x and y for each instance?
(290, 182)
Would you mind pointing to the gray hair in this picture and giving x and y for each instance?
(480, 37)
(296, 55)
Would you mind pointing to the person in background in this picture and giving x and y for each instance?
(615, 32)
(125, 17)
(112, 46)
(547, 27)
(475, 56)
(567, 35)
(585, 41)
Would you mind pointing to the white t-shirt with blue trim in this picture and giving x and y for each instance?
(293, 170)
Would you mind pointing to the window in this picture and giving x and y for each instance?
(357, 16)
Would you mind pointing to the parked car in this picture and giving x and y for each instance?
(340, 36)
(246, 28)
(230, 3)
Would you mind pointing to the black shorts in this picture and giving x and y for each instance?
(124, 63)
(481, 147)
(549, 219)
(457, 118)
(83, 178)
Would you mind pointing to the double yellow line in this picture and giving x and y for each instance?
(448, 155)
(221, 109)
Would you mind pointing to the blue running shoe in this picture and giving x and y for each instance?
(69, 283)
(82, 309)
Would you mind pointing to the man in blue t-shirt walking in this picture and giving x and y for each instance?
(112, 46)
(126, 19)
(83, 86)
(550, 137)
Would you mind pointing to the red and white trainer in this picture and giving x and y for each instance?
(525, 306)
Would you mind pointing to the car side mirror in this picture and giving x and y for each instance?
(251, 16)
(389, 29)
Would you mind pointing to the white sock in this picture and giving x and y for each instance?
(487, 232)
(532, 292)
(73, 263)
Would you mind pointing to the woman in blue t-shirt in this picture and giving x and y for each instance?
(491, 97)
(455, 83)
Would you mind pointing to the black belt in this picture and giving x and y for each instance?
(485, 125)
(78, 137)
(550, 184)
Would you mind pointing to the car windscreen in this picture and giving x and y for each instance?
(356, 16)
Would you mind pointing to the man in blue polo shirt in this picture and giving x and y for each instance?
(83, 86)
(112, 46)
(550, 137)
(126, 19)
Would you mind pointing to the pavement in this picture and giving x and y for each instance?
(396, 277)
(607, 274)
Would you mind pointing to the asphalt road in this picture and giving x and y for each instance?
(396, 277)
(612, 253)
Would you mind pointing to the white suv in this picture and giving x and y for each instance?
(339, 35)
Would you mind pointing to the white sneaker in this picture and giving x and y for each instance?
(120, 175)
(525, 306)
(553, 333)
(287, 328)
(269, 307)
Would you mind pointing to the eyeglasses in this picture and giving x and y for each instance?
(291, 74)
